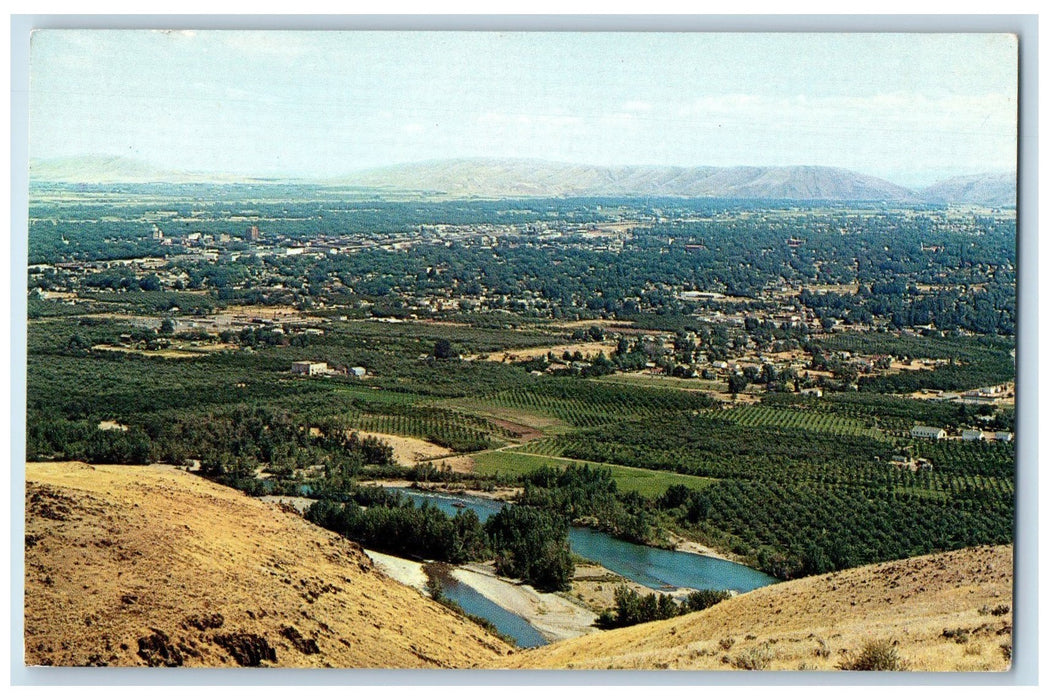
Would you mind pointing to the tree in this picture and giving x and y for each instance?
(532, 544)
(847, 373)
(737, 383)
(443, 350)
(78, 343)
(632, 608)
(150, 284)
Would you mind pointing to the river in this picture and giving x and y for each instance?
(650, 566)
(508, 623)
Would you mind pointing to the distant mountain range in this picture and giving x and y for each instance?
(990, 189)
(101, 169)
(491, 178)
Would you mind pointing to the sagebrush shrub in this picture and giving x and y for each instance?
(755, 659)
(876, 655)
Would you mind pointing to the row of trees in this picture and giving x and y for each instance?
(405, 530)
(632, 608)
(801, 528)
(526, 542)
(230, 444)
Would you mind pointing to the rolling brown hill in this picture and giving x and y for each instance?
(943, 612)
(479, 177)
(988, 189)
(152, 566)
(514, 177)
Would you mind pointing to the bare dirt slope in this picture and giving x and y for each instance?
(945, 612)
(153, 566)
(408, 450)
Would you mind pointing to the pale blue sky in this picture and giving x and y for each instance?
(908, 107)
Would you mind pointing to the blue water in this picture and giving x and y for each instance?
(662, 568)
(484, 507)
(649, 566)
(505, 621)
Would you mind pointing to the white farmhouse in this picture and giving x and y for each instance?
(926, 431)
(309, 369)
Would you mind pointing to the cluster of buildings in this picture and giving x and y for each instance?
(928, 432)
(68, 277)
(309, 368)
(289, 323)
(988, 395)
(983, 396)
(911, 463)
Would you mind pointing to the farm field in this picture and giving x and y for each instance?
(558, 351)
(754, 416)
(646, 482)
(647, 380)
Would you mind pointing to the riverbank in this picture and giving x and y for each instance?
(682, 544)
(503, 494)
(555, 617)
(406, 571)
(595, 587)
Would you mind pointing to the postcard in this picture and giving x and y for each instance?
(521, 350)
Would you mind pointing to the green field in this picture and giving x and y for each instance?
(762, 416)
(646, 380)
(646, 482)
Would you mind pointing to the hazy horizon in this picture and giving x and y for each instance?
(232, 175)
(909, 108)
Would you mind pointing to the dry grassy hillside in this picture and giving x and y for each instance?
(152, 566)
(944, 612)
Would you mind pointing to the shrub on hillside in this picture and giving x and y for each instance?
(755, 659)
(876, 655)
